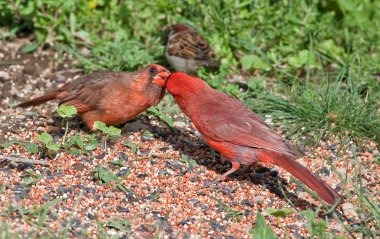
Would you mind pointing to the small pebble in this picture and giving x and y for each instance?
(180, 125)
(90, 190)
(123, 156)
(121, 209)
(248, 203)
(78, 167)
(258, 199)
(122, 172)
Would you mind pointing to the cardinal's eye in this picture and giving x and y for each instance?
(153, 71)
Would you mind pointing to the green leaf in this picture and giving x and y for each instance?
(316, 228)
(76, 139)
(117, 162)
(132, 146)
(300, 59)
(74, 151)
(29, 48)
(101, 126)
(31, 147)
(185, 159)
(120, 225)
(73, 22)
(113, 131)
(66, 111)
(249, 62)
(105, 175)
(33, 174)
(309, 214)
(261, 229)
(91, 145)
(53, 147)
(160, 114)
(278, 212)
(7, 144)
(123, 188)
(45, 138)
(28, 181)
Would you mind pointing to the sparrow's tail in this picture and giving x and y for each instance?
(289, 163)
(39, 100)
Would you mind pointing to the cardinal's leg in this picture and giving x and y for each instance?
(235, 166)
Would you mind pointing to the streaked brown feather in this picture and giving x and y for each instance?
(185, 42)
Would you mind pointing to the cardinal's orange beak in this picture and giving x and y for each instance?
(160, 78)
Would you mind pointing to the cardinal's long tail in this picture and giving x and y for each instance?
(39, 100)
(326, 192)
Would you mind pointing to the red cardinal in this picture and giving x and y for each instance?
(237, 133)
(110, 97)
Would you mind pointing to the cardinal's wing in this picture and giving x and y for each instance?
(84, 93)
(227, 119)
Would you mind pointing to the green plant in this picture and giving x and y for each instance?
(316, 227)
(134, 147)
(30, 147)
(105, 176)
(278, 213)
(41, 213)
(190, 162)
(261, 229)
(108, 132)
(315, 112)
(230, 212)
(219, 81)
(77, 144)
(31, 177)
(66, 112)
(158, 111)
(49, 145)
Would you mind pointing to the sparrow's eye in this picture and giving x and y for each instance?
(153, 71)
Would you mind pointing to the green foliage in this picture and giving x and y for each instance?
(185, 159)
(77, 144)
(47, 140)
(31, 177)
(265, 35)
(121, 225)
(261, 229)
(316, 227)
(66, 111)
(134, 147)
(159, 112)
(278, 212)
(344, 107)
(40, 213)
(107, 131)
(218, 80)
(105, 176)
(230, 212)
(249, 62)
(30, 147)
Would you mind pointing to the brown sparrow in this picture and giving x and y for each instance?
(186, 50)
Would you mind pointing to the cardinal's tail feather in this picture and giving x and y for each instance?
(39, 100)
(326, 192)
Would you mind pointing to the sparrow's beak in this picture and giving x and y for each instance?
(160, 78)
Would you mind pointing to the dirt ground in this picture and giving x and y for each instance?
(162, 192)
